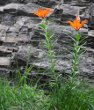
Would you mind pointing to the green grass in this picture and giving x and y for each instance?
(23, 98)
(73, 98)
(68, 97)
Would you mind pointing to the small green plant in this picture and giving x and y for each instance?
(72, 98)
(7, 97)
(23, 77)
(25, 98)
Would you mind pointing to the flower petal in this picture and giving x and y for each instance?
(84, 22)
(71, 23)
(43, 12)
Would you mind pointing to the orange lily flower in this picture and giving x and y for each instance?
(77, 24)
(43, 12)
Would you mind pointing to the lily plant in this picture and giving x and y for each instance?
(76, 24)
(43, 13)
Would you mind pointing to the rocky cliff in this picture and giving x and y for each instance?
(20, 37)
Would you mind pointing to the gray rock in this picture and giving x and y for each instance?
(4, 61)
(19, 8)
(91, 33)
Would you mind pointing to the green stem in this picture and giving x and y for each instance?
(49, 46)
(75, 61)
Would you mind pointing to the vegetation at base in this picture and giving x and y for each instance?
(28, 97)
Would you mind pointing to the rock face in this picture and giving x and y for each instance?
(20, 37)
